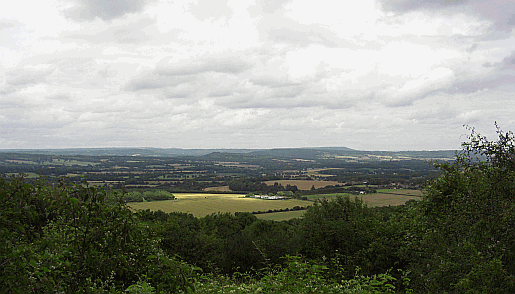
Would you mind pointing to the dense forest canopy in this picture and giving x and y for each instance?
(61, 237)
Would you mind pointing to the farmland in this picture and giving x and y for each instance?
(307, 174)
(457, 240)
(200, 204)
(204, 204)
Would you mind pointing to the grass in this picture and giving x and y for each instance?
(219, 189)
(327, 196)
(383, 197)
(410, 192)
(281, 216)
(200, 204)
(205, 204)
(27, 175)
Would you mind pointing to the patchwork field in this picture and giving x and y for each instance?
(204, 204)
(384, 197)
(218, 189)
(303, 184)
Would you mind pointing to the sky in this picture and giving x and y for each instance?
(369, 75)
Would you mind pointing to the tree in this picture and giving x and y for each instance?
(77, 239)
(464, 229)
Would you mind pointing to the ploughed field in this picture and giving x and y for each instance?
(200, 205)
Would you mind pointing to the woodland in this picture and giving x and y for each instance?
(63, 236)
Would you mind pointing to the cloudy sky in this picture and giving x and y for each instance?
(369, 75)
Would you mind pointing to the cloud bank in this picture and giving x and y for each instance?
(377, 75)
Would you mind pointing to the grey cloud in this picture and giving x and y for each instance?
(61, 97)
(500, 12)
(279, 29)
(508, 62)
(502, 74)
(472, 48)
(409, 5)
(220, 93)
(205, 9)
(127, 36)
(248, 100)
(8, 24)
(21, 78)
(434, 115)
(27, 77)
(225, 64)
(270, 6)
(179, 92)
(299, 34)
(103, 9)
(272, 82)
(434, 81)
(287, 92)
(474, 85)
(152, 81)
(135, 32)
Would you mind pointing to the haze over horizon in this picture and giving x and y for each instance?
(368, 75)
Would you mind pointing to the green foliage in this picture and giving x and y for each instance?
(296, 276)
(147, 196)
(142, 287)
(466, 222)
(341, 226)
(77, 239)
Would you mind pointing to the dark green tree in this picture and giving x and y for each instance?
(77, 239)
(462, 237)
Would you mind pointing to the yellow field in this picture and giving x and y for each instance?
(303, 184)
(204, 204)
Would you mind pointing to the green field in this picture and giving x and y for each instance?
(71, 162)
(401, 192)
(205, 204)
(200, 204)
(383, 197)
(281, 216)
(27, 175)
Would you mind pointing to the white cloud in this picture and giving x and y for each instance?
(372, 75)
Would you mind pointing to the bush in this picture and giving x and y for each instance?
(77, 239)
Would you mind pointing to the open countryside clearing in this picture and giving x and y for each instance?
(201, 205)
(384, 197)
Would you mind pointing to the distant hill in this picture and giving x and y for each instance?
(234, 154)
(159, 152)
(301, 153)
